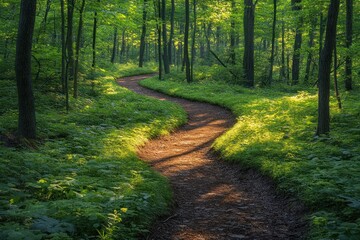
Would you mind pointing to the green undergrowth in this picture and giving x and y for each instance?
(275, 134)
(83, 179)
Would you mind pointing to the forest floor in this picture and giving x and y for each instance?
(214, 199)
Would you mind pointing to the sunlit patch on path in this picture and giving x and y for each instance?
(213, 199)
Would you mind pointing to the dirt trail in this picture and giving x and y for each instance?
(213, 199)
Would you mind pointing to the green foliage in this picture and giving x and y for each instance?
(84, 180)
(275, 134)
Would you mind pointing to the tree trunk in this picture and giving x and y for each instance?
(310, 54)
(171, 37)
(158, 26)
(248, 60)
(143, 35)
(69, 38)
(272, 43)
(113, 53)
(77, 49)
(186, 42)
(297, 45)
(232, 33)
(63, 47)
(164, 37)
(325, 68)
(94, 41)
(349, 33)
(26, 119)
(193, 43)
(44, 21)
(123, 46)
(337, 94)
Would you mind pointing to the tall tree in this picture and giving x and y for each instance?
(94, 39)
(248, 60)
(77, 48)
(63, 46)
(27, 119)
(193, 42)
(172, 29)
(186, 42)
(113, 54)
(143, 35)
(164, 37)
(349, 40)
(69, 37)
(232, 33)
(296, 7)
(272, 43)
(310, 53)
(325, 69)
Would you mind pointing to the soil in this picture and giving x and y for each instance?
(214, 199)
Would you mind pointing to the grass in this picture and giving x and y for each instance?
(274, 133)
(83, 180)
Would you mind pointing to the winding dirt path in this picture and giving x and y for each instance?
(213, 199)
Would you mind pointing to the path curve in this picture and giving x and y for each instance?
(213, 199)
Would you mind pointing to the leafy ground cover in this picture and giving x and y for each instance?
(275, 134)
(82, 179)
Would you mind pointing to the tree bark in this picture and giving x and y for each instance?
(193, 43)
(77, 48)
(186, 42)
(63, 47)
(349, 33)
(26, 119)
(270, 78)
(93, 65)
(283, 66)
(232, 33)
(164, 37)
(297, 45)
(325, 68)
(248, 60)
(171, 37)
(113, 53)
(143, 35)
(69, 38)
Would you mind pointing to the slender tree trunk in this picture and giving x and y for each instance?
(44, 21)
(186, 41)
(248, 60)
(69, 38)
(123, 46)
(113, 53)
(143, 35)
(193, 42)
(336, 86)
(164, 36)
(349, 33)
(171, 37)
(158, 26)
(297, 45)
(325, 68)
(26, 103)
(310, 54)
(232, 33)
(93, 65)
(273, 43)
(63, 46)
(77, 48)
(321, 34)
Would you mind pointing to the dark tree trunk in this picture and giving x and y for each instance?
(310, 54)
(272, 43)
(44, 21)
(232, 33)
(69, 38)
(186, 41)
(193, 42)
(248, 61)
(143, 35)
(325, 68)
(158, 26)
(63, 47)
(171, 37)
(336, 87)
(349, 33)
(297, 45)
(94, 40)
(27, 119)
(164, 36)
(113, 54)
(123, 45)
(77, 49)
(321, 35)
